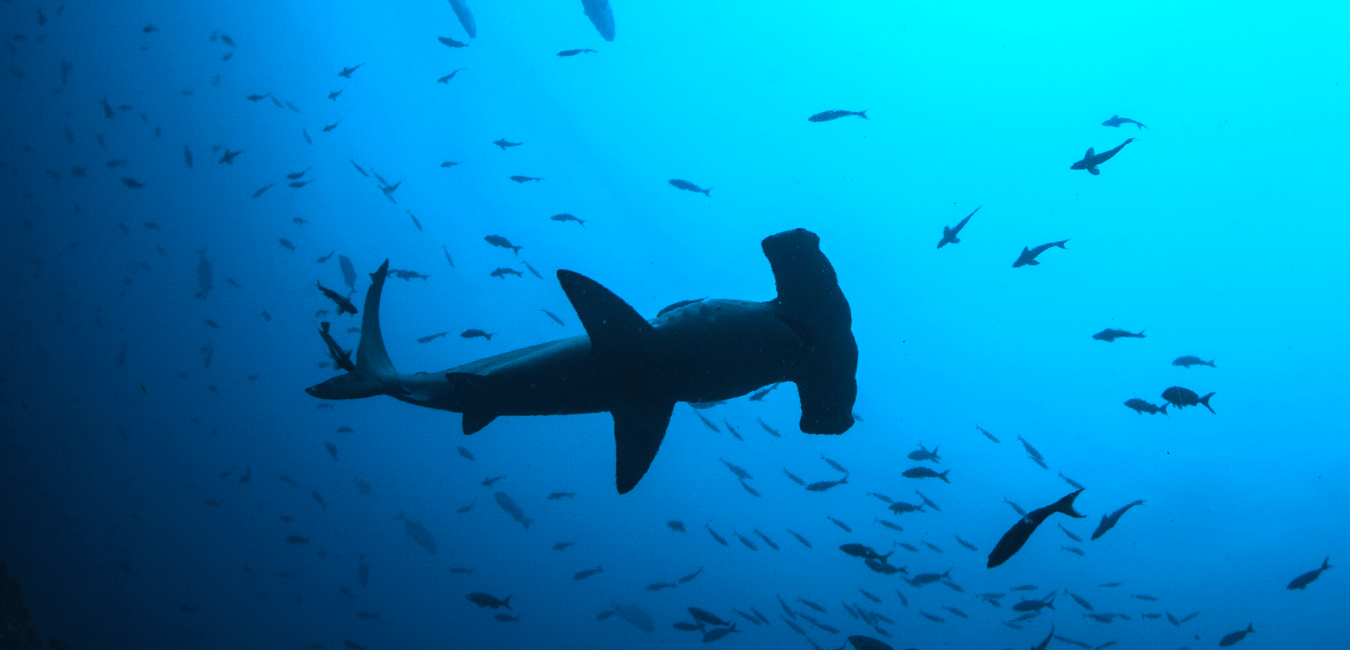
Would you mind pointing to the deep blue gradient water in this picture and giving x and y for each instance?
(129, 421)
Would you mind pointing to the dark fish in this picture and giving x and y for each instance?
(347, 72)
(839, 524)
(503, 143)
(575, 52)
(450, 42)
(431, 337)
(422, 536)
(900, 507)
(475, 333)
(1110, 335)
(924, 472)
(950, 235)
(861, 642)
(691, 576)
(1305, 579)
(287, 480)
(717, 537)
(835, 465)
(509, 505)
(361, 486)
(256, 97)
(318, 498)
(229, 156)
(553, 316)
(748, 544)
(502, 272)
(305, 132)
(1012, 541)
(132, 183)
(562, 495)
(582, 575)
(562, 546)
(766, 539)
(330, 127)
(484, 600)
(334, 95)
(821, 486)
(1091, 160)
(1146, 597)
(299, 184)
(524, 179)
(445, 80)
(531, 269)
(1028, 256)
(447, 256)
(933, 547)
(891, 525)
(1015, 507)
(658, 586)
(1070, 481)
(826, 116)
(1183, 397)
(1230, 639)
(708, 422)
(1070, 534)
(344, 305)
(881, 497)
(773, 432)
(800, 538)
(685, 626)
(686, 185)
(705, 616)
(296, 539)
(1109, 521)
(1072, 549)
(761, 393)
(1188, 361)
(965, 543)
(928, 502)
(986, 433)
(263, 189)
(932, 617)
(676, 525)
(1117, 120)
(465, 18)
(922, 454)
(332, 449)
(565, 217)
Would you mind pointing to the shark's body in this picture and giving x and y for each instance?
(1091, 159)
(637, 369)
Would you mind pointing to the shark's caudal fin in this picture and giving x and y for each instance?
(374, 374)
(616, 329)
(1065, 505)
(812, 304)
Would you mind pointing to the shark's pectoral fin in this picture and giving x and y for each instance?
(474, 421)
(613, 326)
(639, 428)
(1094, 171)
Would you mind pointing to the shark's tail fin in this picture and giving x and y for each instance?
(812, 304)
(374, 373)
(1065, 505)
(1163, 409)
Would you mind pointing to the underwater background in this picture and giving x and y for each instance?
(165, 482)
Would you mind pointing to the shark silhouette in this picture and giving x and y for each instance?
(637, 369)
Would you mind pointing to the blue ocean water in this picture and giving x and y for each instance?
(134, 408)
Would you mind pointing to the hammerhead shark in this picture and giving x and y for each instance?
(637, 369)
(1091, 160)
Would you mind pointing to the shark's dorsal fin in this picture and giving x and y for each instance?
(639, 428)
(612, 325)
(1088, 154)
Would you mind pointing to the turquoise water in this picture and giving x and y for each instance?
(1217, 232)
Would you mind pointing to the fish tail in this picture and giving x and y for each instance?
(1061, 244)
(1065, 505)
(374, 373)
(1325, 564)
(1163, 408)
(527, 523)
(507, 602)
(863, 114)
(1205, 400)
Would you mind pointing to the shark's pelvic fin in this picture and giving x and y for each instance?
(613, 326)
(812, 304)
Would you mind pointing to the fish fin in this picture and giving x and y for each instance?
(639, 429)
(1205, 400)
(1094, 171)
(811, 303)
(1065, 505)
(474, 421)
(1032, 263)
(1088, 154)
(374, 373)
(613, 326)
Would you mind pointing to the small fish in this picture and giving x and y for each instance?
(332, 449)
(691, 576)
(1234, 637)
(676, 525)
(503, 143)
(1117, 120)
(305, 132)
(562, 546)
(502, 272)
(447, 256)
(1304, 580)
(835, 465)
(524, 179)
(263, 189)
(1188, 361)
(658, 586)
(330, 127)
(299, 184)
(334, 95)
(318, 498)
(1109, 335)
(132, 183)
(821, 486)
(1145, 597)
(932, 617)
(475, 333)
(1072, 549)
(826, 116)
(1028, 255)
(748, 544)
(752, 491)
(766, 539)
(1183, 397)
(531, 269)
(347, 72)
(719, 538)
(287, 480)
(229, 156)
(1070, 481)
(255, 97)
(575, 52)
(950, 236)
(446, 79)
(955, 611)
(431, 337)
(487, 482)
(1091, 159)
(773, 432)
(924, 472)
(1109, 521)
(554, 316)
(562, 495)
(686, 185)
(1070, 534)
(928, 502)
(891, 525)
(450, 42)
(1015, 507)
(296, 539)
(582, 575)
(800, 538)
(932, 546)
(361, 486)
(965, 543)
(448, 164)
(565, 217)
(839, 524)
